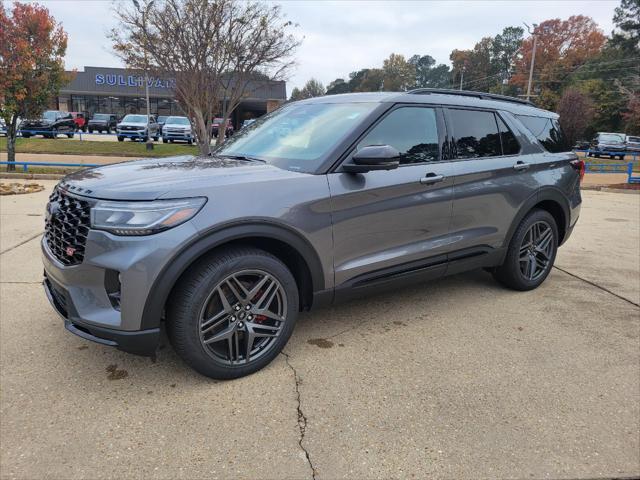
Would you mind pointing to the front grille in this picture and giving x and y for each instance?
(67, 227)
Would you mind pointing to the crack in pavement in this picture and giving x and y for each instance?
(21, 243)
(593, 284)
(302, 419)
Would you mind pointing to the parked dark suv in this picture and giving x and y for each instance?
(50, 124)
(319, 201)
(610, 144)
(102, 122)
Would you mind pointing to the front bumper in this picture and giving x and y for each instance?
(81, 293)
(132, 133)
(169, 135)
(143, 342)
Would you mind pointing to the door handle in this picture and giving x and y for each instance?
(431, 178)
(521, 166)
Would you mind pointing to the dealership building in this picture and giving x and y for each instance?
(121, 91)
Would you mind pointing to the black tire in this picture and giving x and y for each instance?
(510, 273)
(91, 130)
(26, 135)
(164, 140)
(120, 139)
(155, 139)
(70, 135)
(198, 288)
(108, 131)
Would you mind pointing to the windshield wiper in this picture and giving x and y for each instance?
(244, 157)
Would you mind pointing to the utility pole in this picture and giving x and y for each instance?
(146, 69)
(461, 77)
(533, 57)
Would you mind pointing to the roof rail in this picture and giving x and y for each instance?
(469, 93)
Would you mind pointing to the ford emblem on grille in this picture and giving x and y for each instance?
(70, 251)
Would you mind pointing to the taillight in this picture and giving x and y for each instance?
(579, 166)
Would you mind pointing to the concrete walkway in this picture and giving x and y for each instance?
(458, 378)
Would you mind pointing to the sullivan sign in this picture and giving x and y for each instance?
(133, 81)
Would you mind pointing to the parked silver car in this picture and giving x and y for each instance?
(135, 127)
(177, 128)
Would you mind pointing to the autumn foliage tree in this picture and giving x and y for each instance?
(576, 112)
(32, 49)
(563, 47)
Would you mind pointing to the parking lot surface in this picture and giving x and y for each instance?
(458, 378)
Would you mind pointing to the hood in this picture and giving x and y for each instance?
(132, 124)
(176, 125)
(172, 177)
(39, 121)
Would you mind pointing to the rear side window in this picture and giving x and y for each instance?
(547, 131)
(510, 145)
(413, 131)
(476, 133)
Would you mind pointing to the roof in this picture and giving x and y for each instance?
(462, 98)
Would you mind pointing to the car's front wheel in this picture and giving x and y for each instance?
(531, 252)
(233, 312)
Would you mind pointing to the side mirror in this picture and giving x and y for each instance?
(373, 157)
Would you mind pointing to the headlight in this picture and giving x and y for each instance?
(143, 218)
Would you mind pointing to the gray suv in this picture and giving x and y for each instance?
(319, 201)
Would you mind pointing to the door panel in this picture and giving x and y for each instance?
(385, 218)
(489, 191)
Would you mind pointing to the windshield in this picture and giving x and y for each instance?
(178, 120)
(297, 136)
(49, 115)
(611, 137)
(135, 118)
(101, 116)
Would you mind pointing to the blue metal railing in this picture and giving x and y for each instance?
(25, 165)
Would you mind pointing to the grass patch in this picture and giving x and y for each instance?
(75, 147)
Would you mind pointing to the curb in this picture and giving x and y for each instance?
(607, 189)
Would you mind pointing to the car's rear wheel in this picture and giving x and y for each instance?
(531, 252)
(233, 312)
(120, 139)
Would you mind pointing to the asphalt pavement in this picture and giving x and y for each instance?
(458, 378)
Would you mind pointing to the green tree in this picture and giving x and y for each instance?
(627, 21)
(397, 74)
(428, 74)
(313, 88)
(608, 106)
(338, 86)
(32, 49)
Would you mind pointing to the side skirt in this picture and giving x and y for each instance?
(392, 278)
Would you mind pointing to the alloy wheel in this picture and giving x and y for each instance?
(242, 317)
(536, 251)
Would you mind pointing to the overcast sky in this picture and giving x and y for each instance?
(340, 37)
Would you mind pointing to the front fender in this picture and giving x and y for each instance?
(209, 240)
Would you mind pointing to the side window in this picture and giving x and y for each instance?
(510, 145)
(413, 131)
(476, 133)
(547, 131)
